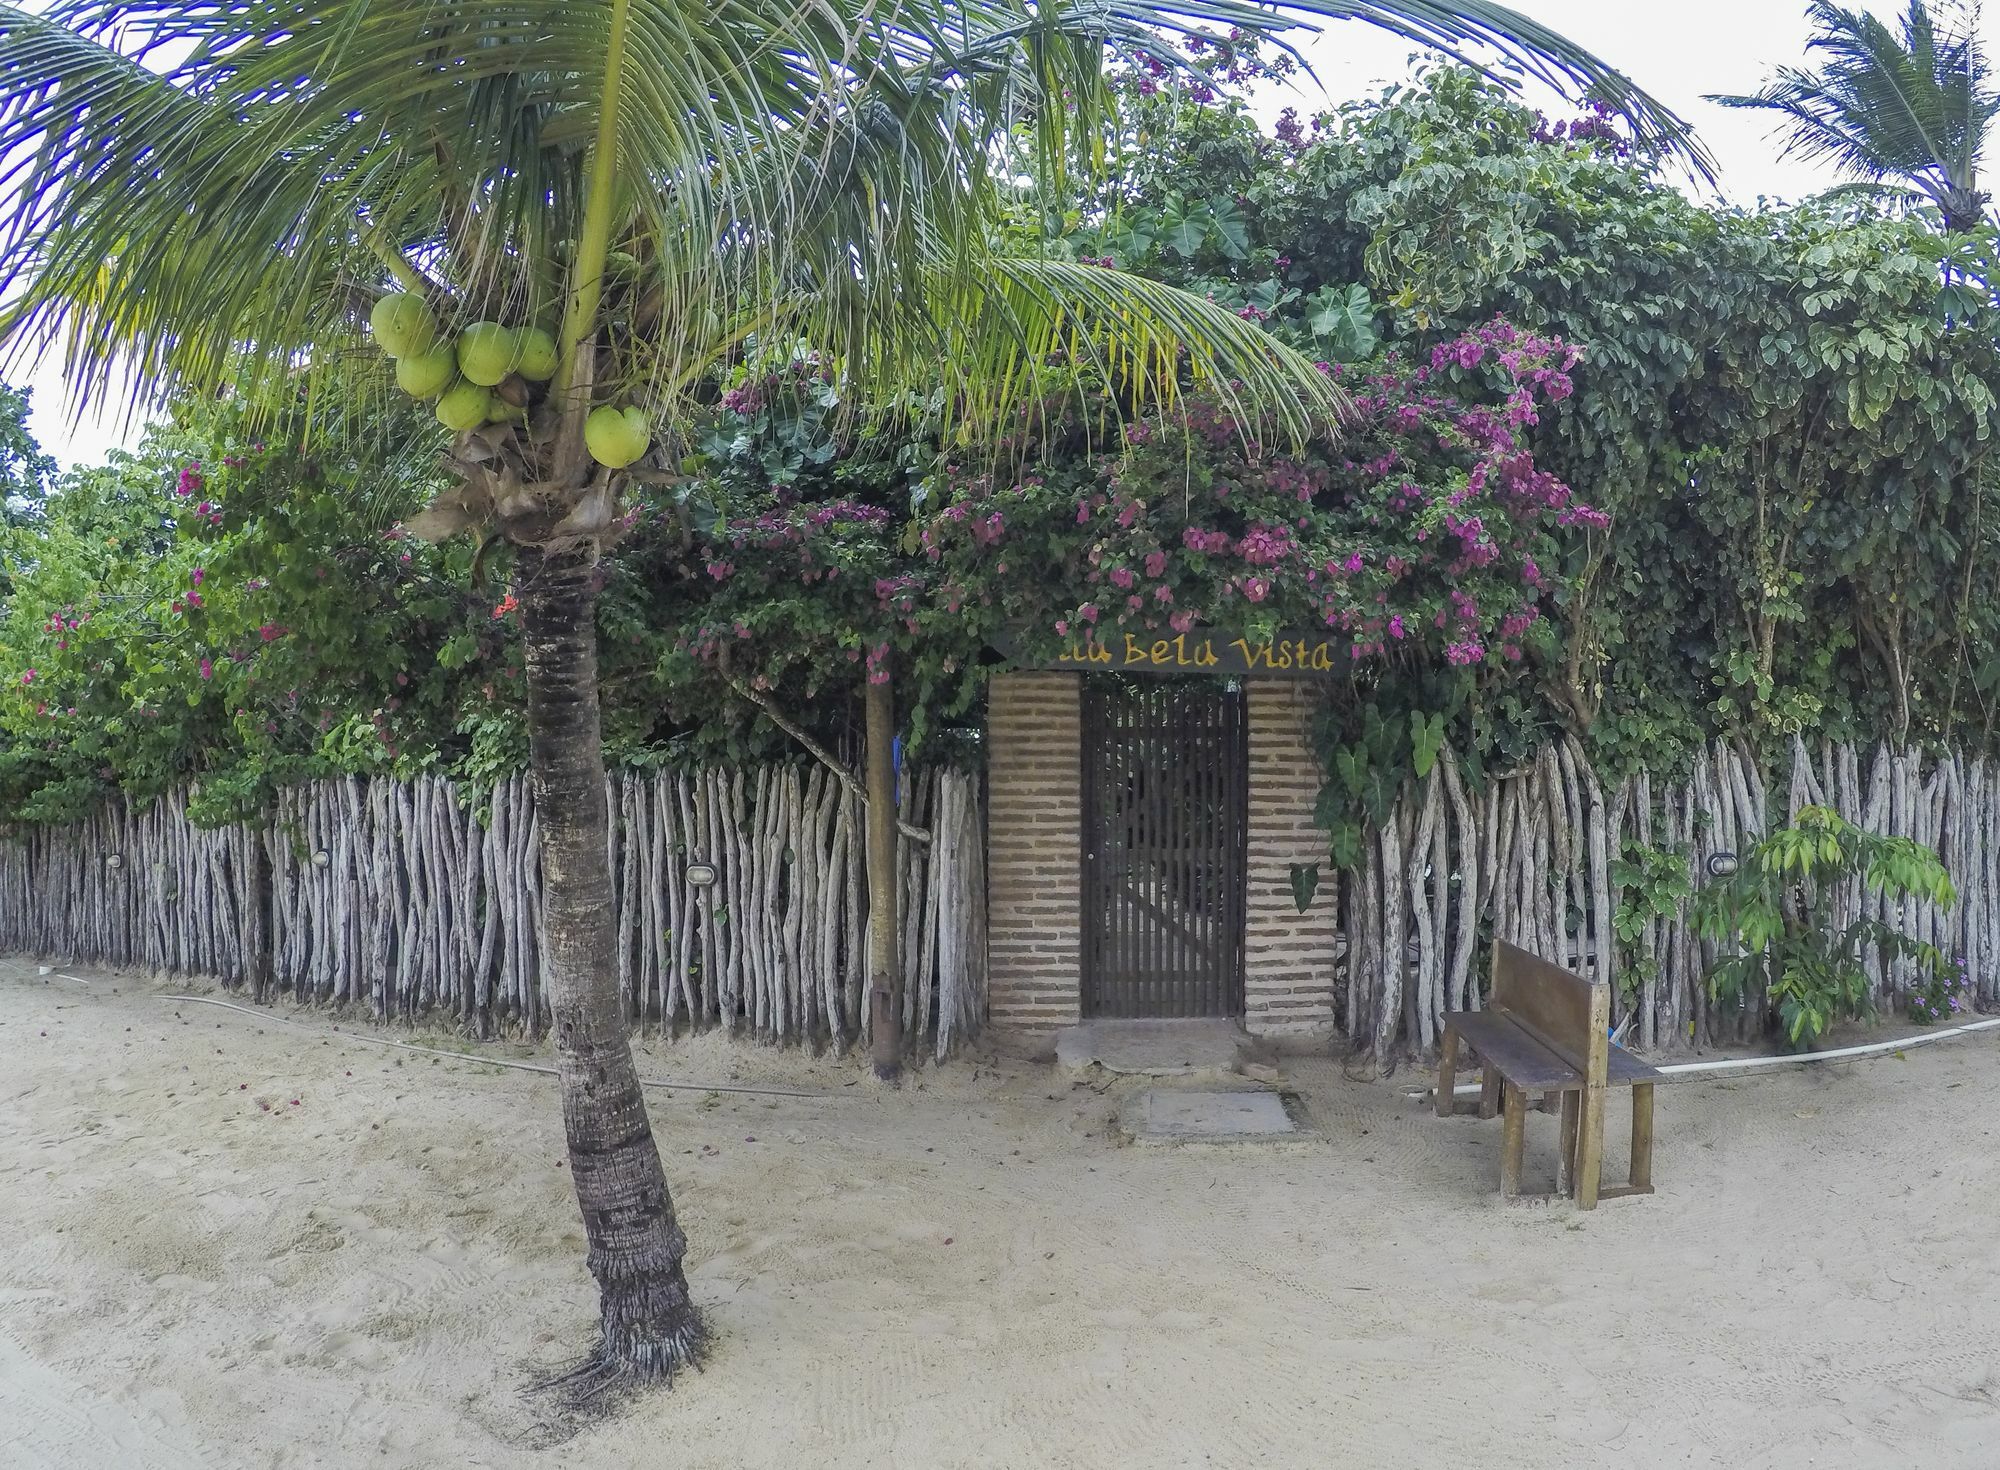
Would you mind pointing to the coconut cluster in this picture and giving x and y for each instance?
(466, 376)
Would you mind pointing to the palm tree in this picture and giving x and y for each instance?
(1909, 108)
(213, 198)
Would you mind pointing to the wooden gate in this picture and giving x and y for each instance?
(1165, 797)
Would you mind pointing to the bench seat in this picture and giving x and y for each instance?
(1528, 1062)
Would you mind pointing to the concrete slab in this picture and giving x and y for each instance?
(1155, 1048)
(1174, 1115)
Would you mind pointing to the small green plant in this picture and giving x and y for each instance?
(1779, 906)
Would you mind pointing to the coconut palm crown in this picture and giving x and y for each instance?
(1908, 106)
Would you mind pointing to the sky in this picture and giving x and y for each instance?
(1676, 49)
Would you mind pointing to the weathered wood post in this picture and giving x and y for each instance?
(263, 901)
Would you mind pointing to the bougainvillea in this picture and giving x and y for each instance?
(1418, 536)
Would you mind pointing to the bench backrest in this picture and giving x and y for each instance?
(1571, 1014)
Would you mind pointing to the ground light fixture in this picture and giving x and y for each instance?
(1721, 864)
(701, 875)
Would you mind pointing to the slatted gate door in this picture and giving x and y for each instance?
(1165, 797)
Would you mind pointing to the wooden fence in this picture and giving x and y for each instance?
(412, 900)
(401, 898)
(1530, 858)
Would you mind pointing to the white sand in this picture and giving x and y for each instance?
(969, 1272)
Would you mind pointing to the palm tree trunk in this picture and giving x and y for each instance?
(650, 1324)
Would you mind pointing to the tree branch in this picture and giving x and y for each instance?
(813, 748)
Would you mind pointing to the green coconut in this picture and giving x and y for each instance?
(403, 325)
(464, 406)
(616, 437)
(500, 411)
(488, 351)
(428, 375)
(538, 355)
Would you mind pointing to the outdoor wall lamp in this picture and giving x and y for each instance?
(1721, 864)
(320, 859)
(114, 861)
(701, 875)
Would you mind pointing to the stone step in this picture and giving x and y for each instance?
(1156, 1048)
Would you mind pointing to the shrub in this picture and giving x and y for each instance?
(1780, 906)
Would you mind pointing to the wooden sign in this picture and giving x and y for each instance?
(1114, 651)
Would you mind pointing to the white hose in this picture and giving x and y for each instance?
(1739, 1064)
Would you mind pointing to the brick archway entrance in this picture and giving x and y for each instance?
(1035, 861)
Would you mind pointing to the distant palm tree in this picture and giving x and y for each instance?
(1909, 108)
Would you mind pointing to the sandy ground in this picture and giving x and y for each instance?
(229, 1242)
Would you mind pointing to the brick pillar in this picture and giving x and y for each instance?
(1289, 957)
(1034, 851)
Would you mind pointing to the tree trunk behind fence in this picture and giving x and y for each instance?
(885, 969)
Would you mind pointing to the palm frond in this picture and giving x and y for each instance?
(1913, 103)
(1149, 344)
(209, 196)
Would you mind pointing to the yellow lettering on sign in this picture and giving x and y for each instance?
(1088, 652)
(1297, 655)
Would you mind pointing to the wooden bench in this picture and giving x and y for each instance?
(1546, 1031)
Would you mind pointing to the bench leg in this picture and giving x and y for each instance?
(1447, 1070)
(1642, 1136)
(1513, 1136)
(1489, 1093)
(1590, 1147)
(1572, 1107)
